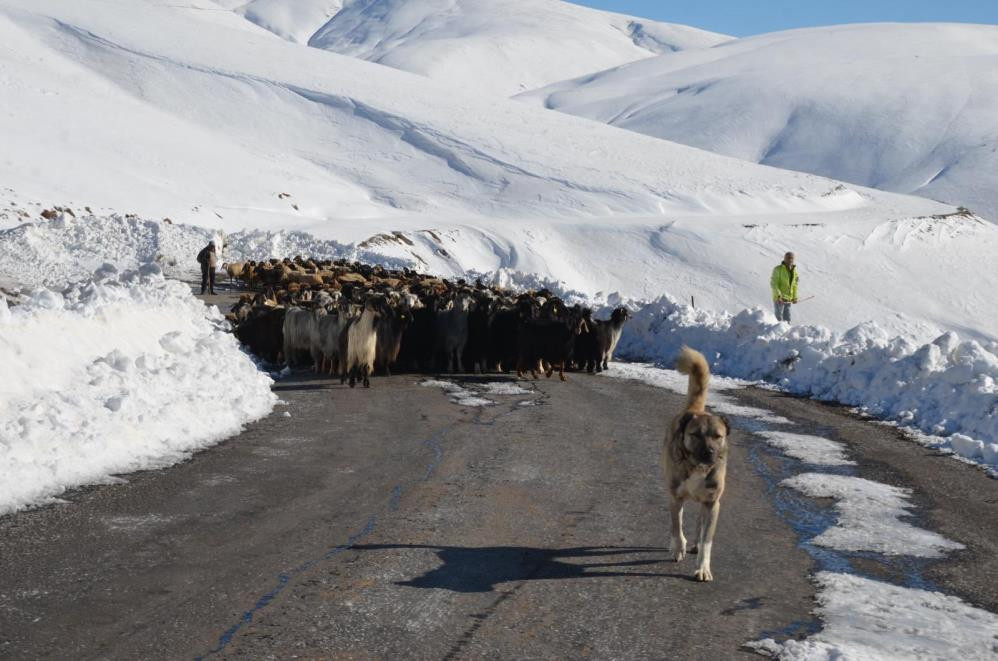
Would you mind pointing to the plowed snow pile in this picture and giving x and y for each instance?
(121, 373)
(945, 388)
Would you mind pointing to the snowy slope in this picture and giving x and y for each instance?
(294, 20)
(902, 107)
(162, 110)
(500, 46)
(202, 117)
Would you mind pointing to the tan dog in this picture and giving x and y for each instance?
(694, 461)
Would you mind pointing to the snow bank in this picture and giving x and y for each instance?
(679, 383)
(69, 249)
(121, 373)
(871, 620)
(946, 387)
(870, 517)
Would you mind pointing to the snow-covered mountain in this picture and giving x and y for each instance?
(205, 118)
(294, 20)
(501, 46)
(909, 108)
(160, 110)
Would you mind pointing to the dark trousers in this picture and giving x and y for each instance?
(207, 279)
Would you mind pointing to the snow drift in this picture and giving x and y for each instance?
(68, 249)
(908, 108)
(121, 373)
(945, 388)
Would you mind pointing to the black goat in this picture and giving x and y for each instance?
(550, 342)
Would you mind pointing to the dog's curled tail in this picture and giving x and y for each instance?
(693, 363)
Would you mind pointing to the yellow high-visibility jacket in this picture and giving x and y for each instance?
(783, 282)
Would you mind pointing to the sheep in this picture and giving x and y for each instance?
(235, 270)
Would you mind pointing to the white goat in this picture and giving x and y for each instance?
(301, 333)
(361, 346)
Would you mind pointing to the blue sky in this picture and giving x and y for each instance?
(745, 17)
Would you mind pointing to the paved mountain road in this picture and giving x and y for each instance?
(396, 523)
(393, 522)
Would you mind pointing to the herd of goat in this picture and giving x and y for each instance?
(355, 320)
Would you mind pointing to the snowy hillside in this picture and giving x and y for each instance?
(501, 46)
(206, 119)
(901, 107)
(294, 20)
(165, 112)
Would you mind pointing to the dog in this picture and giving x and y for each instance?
(694, 462)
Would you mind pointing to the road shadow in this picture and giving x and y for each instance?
(481, 569)
(304, 385)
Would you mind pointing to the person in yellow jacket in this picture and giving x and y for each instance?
(783, 282)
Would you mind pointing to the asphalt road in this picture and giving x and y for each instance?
(394, 523)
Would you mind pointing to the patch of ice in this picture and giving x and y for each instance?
(874, 621)
(807, 448)
(472, 400)
(135, 522)
(458, 394)
(503, 388)
(870, 517)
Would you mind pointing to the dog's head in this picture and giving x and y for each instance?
(704, 437)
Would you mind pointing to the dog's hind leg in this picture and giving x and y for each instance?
(708, 524)
(677, 545)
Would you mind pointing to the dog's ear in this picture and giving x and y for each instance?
(727, 425)
(681, 425)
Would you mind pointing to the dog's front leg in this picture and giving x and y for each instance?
(678, 543)
(708, 524)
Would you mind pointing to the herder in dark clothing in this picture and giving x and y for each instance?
(208, 259)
